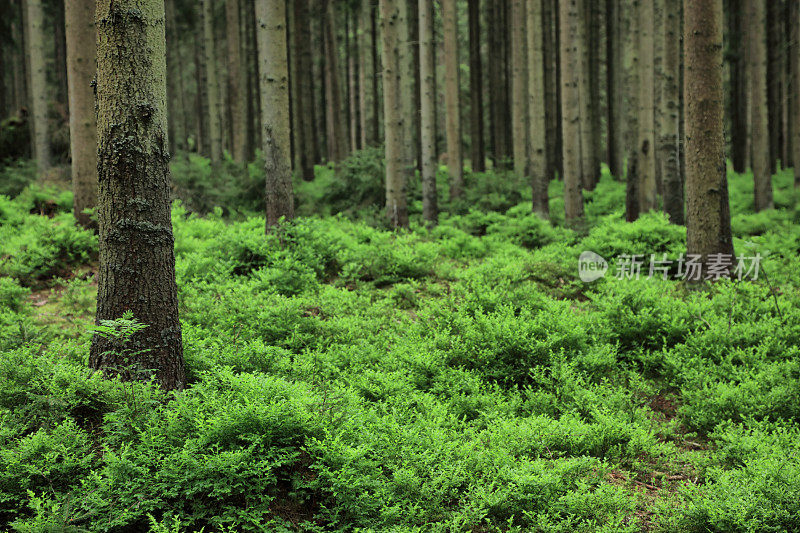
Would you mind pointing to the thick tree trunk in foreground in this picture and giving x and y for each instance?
(37, 75)
(237, 88)
(670, 141)
(570, 108)
(273, 71)
(707, 210)
(212, 87)
(537, 149)
(81, 66)
(451, 98)
(137, 263)
(396, 209)
(478, 149)
(646, 159)
(759, 118)
(427, 67)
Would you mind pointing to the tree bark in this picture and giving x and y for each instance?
(177, 133)
(670, 141)
(81, 66)
(708, 213)
(137, 264)
(406, 90)
(497, 87)
(59, 27)
(795, 86)
(738, 85)
(570, 108)
(273, 70)
(478, 150)
(35, 44)
(759, 118)
(451, 97)
(427, 67)
(212, 86)
(776, 43)
(646, 160)
(336, 121)
(537, 149)
(396, 208)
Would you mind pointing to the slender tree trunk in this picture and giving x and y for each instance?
(497, 88)
(237, 89)
(177, 134)
(630, 61)
(81, 65)
(212, 85)
(304, 105)
(614, 90)
(738, 85)
(396, 209)
(427, 67)
(351, 50)
(273, 70)
(377, 106)
(519, 88)
(537, 148)
(337, 123)
(759, 119)
(553, 88)
(18, 59)
(646, 160)
(451, 97)
(201, 101)
(570, 108)
(406, 89)
(795, 90)
(670, 142)
(366, 76)
(137, 263)
(59, 25)
(35, 43)
(708, 213)
(775, 45)
(589, 96)
(478, 150)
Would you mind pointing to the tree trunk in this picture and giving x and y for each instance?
(478, 151)
(497, 88)
(396, 209)
(81, 66)
(553, 89)
(35, 43)
(589, 96)
(201, 101)
(519, 88)
(351, 29)
(775, 48)
(59, 25)
(569, 13)
(304, 106)
(614, 90)
(406, 89)
(646, 160)
(759, 119)
(537, 149)
(137, 263)
(177, 133)
(427, 67)
(337, 124)
(670, 138)
(18, 59)
(708, 219)
(273, 70)
(237, 89)
(738, 85)
(366, 76)
(795, 90)
(630, 62)
(212, 87)
(451, 97)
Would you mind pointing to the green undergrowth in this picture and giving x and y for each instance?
(461, 378)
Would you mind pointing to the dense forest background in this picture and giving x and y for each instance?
(400, 265)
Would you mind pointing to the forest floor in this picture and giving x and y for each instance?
(464, 378)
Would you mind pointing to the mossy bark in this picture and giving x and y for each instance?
(273, 71)
(81, 67)
(137, 264)
(708, 219)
